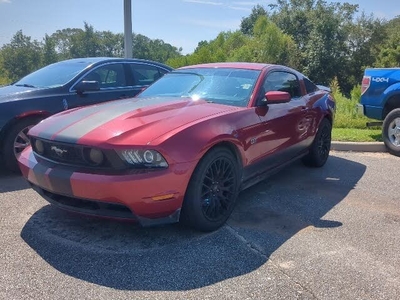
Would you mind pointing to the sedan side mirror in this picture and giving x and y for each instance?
(87, 86)
(272, 97)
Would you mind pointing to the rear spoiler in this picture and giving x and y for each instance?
(324, 88)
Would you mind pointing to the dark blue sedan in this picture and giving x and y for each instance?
(65, 85)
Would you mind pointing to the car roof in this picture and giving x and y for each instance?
(234, 65)
(94, 60)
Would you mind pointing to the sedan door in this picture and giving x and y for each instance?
(113, 85)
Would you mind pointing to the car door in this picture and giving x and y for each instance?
(113, 85)
(284, 126)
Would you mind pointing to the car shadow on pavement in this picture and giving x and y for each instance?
(173, 258)
(10, 182)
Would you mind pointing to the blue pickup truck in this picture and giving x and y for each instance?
(380, 100)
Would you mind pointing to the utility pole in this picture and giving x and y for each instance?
(128, 28)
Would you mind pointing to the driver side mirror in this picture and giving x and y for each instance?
(273, 97)
(87, 86)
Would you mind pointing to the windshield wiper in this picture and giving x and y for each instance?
(26, 85)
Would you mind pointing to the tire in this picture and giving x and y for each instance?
(212, 191)
(391, 132)
(16, 134)
(319, 150)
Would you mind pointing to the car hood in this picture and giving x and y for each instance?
(12, 92)
(136, 121)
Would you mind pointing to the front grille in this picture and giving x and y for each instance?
(75, 155)
(64, 153)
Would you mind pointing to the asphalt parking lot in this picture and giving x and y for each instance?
(330, 233)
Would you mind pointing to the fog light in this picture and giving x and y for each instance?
(96, 156)
(39, 147)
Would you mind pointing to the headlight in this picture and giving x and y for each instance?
(143, 158)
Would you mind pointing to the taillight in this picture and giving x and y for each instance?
(366, 81)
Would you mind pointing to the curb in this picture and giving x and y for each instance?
(358, 147)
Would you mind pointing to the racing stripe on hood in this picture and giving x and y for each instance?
(82, 121)
(67, 118)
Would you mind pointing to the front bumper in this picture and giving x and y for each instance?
(150, 198)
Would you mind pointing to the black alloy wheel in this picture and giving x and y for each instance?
(321, 146)
(212, 191)
(218, 189)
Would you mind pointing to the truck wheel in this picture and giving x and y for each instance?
(391, 132)
(15, 141)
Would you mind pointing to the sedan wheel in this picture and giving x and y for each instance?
(21, 141)
(212, 191)
(15, 141)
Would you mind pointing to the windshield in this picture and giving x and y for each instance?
(219, 85)
(53, 75)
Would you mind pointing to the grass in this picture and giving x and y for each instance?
(348, 125)
(356, 135)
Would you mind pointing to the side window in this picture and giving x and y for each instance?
(109, 76)
(284, 82)
(144, 74)
(310, 87)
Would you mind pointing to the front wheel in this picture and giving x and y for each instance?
(391, 132)
(15, 141)
(212, 191)
(319, 150)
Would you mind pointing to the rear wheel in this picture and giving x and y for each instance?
(319, 151)
(212, 191)
(391, 132)
(15, 141)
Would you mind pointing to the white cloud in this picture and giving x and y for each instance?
(235, 5)
(203, 2)
(5, 1)
(240, 8)
(245, 3)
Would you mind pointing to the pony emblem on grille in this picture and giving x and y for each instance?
(60, 152)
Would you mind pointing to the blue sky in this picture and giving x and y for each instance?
(182, 23)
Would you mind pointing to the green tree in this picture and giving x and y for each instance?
(63, 40)
(366, 35)
(111, 45)
(49, 51)
(247, 23)
(271, 45)
(389, 51)
(86, 43)
(21, 56)
(320, 31)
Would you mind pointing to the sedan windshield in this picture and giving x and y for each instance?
(220, 85)
(53, 75)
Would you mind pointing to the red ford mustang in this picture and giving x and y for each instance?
(184, 148)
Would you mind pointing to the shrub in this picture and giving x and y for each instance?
(346, 109)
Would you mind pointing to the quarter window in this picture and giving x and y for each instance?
(310, 87)
(284, 82)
